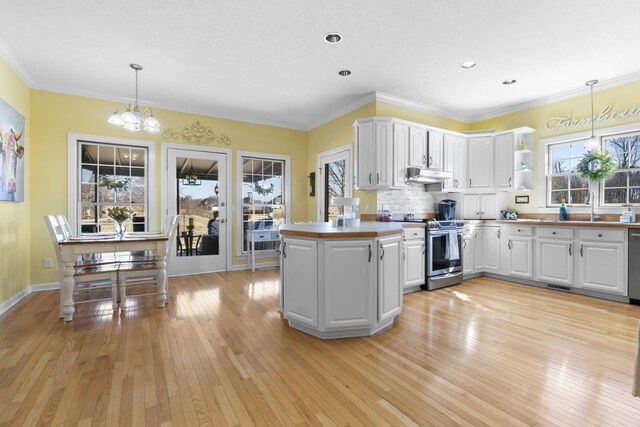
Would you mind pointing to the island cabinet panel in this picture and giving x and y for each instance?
(348, 291)
(390, 275)
(300, 288)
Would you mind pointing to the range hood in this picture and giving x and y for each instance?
(427, 176)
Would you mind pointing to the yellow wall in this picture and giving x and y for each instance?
(334, 134)
(54, 115)
(621, 97)
(14, 216)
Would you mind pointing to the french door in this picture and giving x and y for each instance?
(335, 179)
(196, 190)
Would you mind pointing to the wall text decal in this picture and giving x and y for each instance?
(606, 115)
(197, 133)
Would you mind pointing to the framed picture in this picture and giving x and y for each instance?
(522, 200)
(11, 154)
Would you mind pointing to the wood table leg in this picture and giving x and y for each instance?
(66, 288)
(162, 279)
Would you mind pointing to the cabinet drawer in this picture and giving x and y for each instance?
(599, 234)
(556, 232)
(414, 233)
(521, 230)
(263, 236)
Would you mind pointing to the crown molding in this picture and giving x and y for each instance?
(7, 54)
(200, 111)
(370, 97)
(425, 108)
(605, 84)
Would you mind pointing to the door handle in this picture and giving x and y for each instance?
(430, 160)
(423, 248)
(404, 256)
(369, 177)
(222, 220)
(284, 247)
(570, 247)
(581, 252)
(382, 254)
(509, 244)
(509, 181)
(377, 177)
(464, 244)
(369, 253)
(469, 182)
(498, 231)
(424, 159)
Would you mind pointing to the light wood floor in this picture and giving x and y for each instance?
(485, 352)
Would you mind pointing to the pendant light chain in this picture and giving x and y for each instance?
(133, 117)
(592, 119)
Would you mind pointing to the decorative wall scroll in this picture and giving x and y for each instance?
(606, 115)
(197, 133)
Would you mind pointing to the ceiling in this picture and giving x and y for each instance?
(267, 61)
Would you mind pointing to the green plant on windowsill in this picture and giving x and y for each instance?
(596, 166)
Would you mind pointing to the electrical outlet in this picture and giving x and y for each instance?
(48, 263)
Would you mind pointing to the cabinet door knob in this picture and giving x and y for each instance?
(554, 233)
(519, 231)
(378, 178)
(509, 244)
(369, 177)
(599, 235)
(581, 252)
(430, 160)
(570, 248)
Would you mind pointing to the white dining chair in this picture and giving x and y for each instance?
(89, 278)
(144, 270)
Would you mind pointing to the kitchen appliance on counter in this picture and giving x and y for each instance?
(447, 210)
(443, 253)
(634, 266)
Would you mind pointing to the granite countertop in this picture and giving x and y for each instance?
(556, 223)
(325, 230)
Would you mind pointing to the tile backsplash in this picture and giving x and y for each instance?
(413, 199)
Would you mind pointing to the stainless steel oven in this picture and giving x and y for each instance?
(443, 254)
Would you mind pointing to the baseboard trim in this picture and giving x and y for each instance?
(6, 306)
(259, 266)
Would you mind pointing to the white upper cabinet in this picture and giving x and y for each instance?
(503, 146)
(400, 155)
(455, 161)
(373, 154)
(480, 160)
(435, 150)
(417, 147)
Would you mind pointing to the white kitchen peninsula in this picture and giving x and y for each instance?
(338, 283)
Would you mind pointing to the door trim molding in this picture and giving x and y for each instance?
(348, 148)
(164, 198)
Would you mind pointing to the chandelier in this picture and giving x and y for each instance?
(133, 117)
(191, 178)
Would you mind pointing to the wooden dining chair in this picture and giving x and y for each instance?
(144, 271)
(89, 278)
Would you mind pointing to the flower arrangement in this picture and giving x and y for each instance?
(119, 215)
(596, 166)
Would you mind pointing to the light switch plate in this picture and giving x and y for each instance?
(48, 263)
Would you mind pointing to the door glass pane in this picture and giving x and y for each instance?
(335, 186)
(197, 202)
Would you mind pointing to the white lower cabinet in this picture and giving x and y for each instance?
(348, 294)
(467, 253)
(300, 297)
(414, 263)
(602, 267)
(520, 257)
(491, 252)
(478, 248)
(389, 270)
(555, 261)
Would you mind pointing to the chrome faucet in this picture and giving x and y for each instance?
(594, 217)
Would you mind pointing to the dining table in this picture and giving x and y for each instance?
(86, 244)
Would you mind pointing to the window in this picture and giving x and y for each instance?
(264, 198)
(109, 176)
(562, 180)
(623, 187)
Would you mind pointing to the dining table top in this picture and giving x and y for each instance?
(111, 238)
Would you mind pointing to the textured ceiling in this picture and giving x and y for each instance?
(267, 61)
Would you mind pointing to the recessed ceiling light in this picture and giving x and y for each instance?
(344, 73)
(333, 38)
(508, 82)
(468, 64)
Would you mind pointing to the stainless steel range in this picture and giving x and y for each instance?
(443, 254)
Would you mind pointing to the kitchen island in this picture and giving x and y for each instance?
(338, 283)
